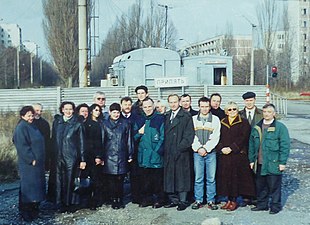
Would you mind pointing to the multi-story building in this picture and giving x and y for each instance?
(299, 18)
(237, 46)
(10, 35)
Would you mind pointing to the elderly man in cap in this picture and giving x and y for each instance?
(250, 111)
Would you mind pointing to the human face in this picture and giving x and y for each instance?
(249, 103)
(141, 94)
(126, 106)
(83, 112)
(232, 111)
(215, 102)
(115, 114)
(96, 112)
(38, 111)
(186, 102)
(67, 110)
(269, 113)
(160, 108)
(204, 108)
(28, 117)
(148, 107)
(173, 102)
(100, 100)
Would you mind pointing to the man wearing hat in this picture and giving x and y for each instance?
(250, 111)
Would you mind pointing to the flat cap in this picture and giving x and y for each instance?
(248, 94)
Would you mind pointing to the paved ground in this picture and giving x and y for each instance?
(296, 198)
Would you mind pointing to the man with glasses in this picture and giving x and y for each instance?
(100, 99)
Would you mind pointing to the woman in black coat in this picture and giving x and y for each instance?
(68, 137)
(118, 149)
(94, 154)
(30, 147)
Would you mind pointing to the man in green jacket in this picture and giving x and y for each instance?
(269, 148)
(150, 139)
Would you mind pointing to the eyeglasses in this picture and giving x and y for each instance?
(233, 109)
(100, 99)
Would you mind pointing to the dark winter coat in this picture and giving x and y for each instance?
(179, 136)
(117, 144)
(93, 140)
(234, 176)
(258, 115)
(45, 130)
(69, 148)
(29, 144)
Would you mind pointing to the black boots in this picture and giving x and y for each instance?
(117, 203)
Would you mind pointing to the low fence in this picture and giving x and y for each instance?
(50, 98)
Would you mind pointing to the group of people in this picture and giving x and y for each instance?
(172, 157)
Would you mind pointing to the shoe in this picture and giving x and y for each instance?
(26, 216)
(170, 205)
(115, 204)
(258, 209)
(145, 204)
(93, 208)
(232, 207)
(272, 212)
(226, 205)
(197, 205)
(181, 206)
(157, 205)
(212, 206)
(242, 204)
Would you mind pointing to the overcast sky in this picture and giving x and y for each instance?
(195, 20)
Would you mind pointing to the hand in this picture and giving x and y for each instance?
(82, 165)
(226, 150)
(97, 161)
(141, 130)
(281, 167)
(33, 163)
(129, 160)
(202, 152)
(251, 165)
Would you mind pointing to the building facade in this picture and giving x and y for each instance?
(10, 35)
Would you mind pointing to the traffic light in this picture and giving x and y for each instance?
(274, 71)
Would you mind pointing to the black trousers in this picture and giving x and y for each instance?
(152, 186)
(135, 181)
(115, 185)
(268, 186)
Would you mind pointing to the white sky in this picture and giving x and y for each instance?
(195, 20)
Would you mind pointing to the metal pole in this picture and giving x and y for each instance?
(82, 43)
(252, 58)
(31, 70)
(17, 67)
(166, 7)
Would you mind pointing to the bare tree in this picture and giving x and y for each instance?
(268, 22)
(61, 32)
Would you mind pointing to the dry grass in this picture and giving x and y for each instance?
(8, 155)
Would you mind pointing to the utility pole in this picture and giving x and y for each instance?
(82, 5)
(166, 21)
(252, 51)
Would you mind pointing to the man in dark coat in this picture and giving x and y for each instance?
(186, 103)
(45, 130)
(134, 171)
(250, 111)
(216, 110)
(179, 135)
